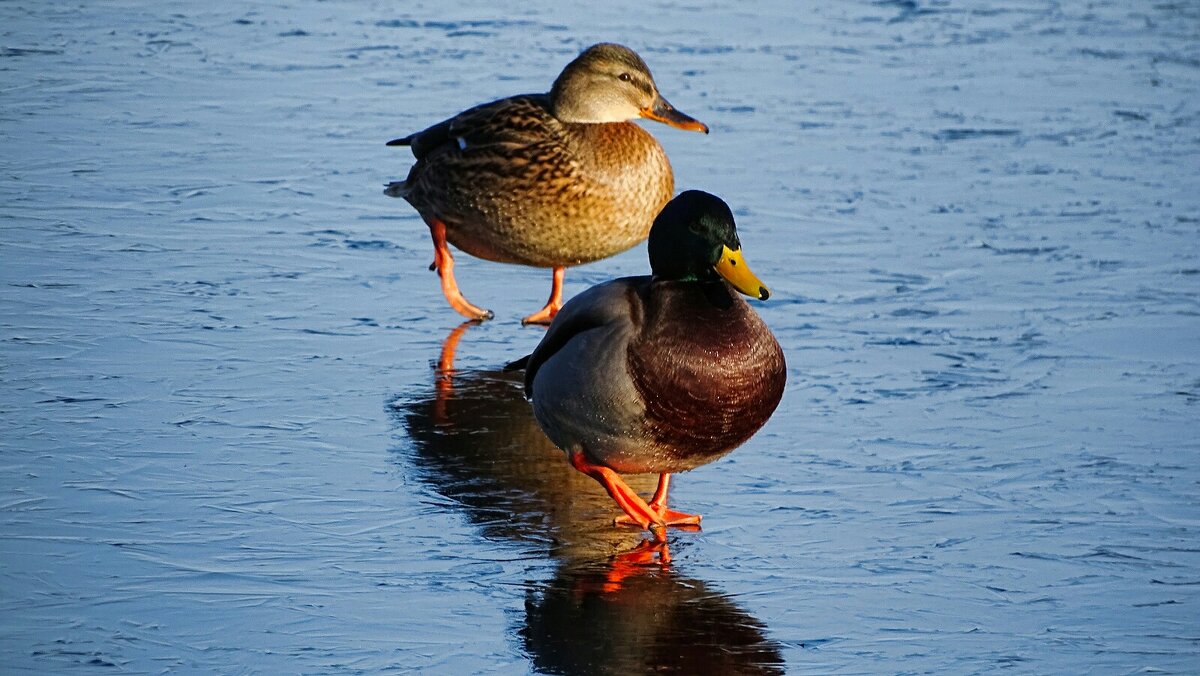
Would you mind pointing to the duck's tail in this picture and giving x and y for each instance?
(396, 189)
(399, 188)
(518, 365)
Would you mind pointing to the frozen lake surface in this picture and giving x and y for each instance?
(225, 447)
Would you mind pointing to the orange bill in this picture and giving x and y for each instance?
(664, 112)
(733, 268)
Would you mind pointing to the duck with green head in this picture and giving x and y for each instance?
(662, 373)
(548, 180)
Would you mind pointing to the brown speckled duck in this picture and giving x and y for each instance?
(547, 180)
(664, 373)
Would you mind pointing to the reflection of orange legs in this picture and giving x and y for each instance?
(646, 553)
(443, 261)
(631, 503)
(546, 314)
(444, 373)
(658, 504)
(649, 553)
(445, 364)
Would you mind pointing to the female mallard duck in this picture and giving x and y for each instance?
(548, 180)
(663, 373)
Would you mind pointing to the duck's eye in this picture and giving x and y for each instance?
(625, 77)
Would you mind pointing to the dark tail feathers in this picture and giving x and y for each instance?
(518, 365)
(396, 189)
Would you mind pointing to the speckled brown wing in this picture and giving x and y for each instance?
(516, 119)
(509, 145)
(497, 175)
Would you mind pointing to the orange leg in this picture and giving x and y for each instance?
(658, 504)
(444, 262)
(546, 314)
(636, 509)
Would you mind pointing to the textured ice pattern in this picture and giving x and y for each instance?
(224, 448)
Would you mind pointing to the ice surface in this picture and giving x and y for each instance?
(225, 448)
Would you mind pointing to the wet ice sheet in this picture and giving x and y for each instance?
(220, 429)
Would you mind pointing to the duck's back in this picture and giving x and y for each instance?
(514, 184)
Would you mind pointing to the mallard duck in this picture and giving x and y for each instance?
(663, 373)
(548, 180)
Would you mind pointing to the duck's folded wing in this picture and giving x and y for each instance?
(616, 303)
(516, 120)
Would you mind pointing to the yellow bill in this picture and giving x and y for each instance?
(733, 268)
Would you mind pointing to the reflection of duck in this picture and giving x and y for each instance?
(660, 374)
(549, 180)
(650, 620)
(614, 604)
(475, 441)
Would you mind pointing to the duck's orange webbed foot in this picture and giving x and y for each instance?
(669, 517)
(553, 305)
(443, 262)
(635, 508)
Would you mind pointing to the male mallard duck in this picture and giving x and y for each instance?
(548, 180)
(662, 373)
